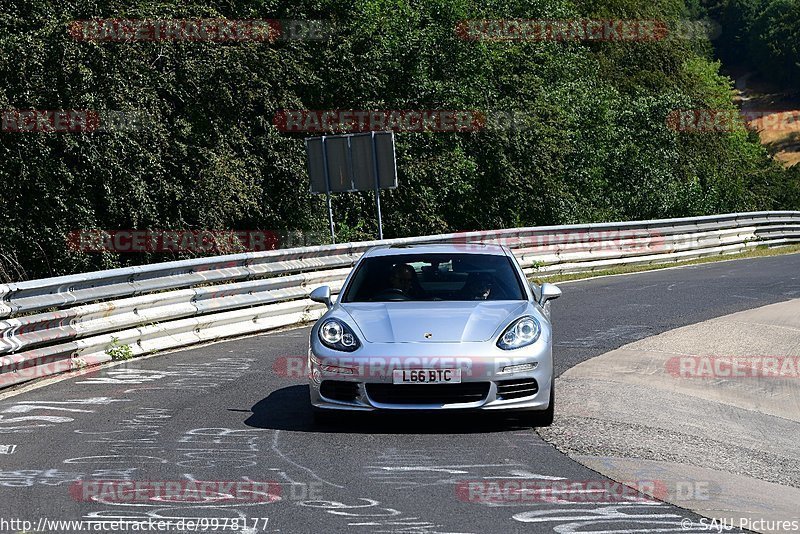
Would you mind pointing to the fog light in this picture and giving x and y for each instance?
(520, 367)
(337, 370)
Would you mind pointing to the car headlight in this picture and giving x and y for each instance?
(521, 333)
(336, 335)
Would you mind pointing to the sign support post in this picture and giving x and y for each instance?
(377, 186)
(328, 188)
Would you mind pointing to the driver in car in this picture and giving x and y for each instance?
(403, 278)
(478, 288)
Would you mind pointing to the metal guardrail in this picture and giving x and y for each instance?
(61, 324)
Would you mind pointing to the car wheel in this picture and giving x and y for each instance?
(545, 417)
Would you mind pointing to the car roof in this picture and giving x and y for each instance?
(437, 248)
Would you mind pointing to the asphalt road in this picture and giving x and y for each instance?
(227, 412)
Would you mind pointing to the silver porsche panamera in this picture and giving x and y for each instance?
(434, 327)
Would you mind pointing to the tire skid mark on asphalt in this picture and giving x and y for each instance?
(565, 516)
(196, 377)
(426, 476)
(412, 469)
(197, 449)
(26, 424)
(284, 457)
(140, 430)
(193, 376)
(26, 478)
(390, 518)
(632, 332)
(615, 515)
(370, 511)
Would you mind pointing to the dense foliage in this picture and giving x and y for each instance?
(594, 145)
(763, 35)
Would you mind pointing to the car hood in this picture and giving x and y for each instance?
(431, 322)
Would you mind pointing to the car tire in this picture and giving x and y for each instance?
(543, 418)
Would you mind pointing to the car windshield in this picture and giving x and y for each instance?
(451, 277)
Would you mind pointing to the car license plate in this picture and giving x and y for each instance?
(426, 376)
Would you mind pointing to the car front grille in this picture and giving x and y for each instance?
(339, 390)
(428, 393)
(516, 389)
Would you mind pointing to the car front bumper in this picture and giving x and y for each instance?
(362, 381)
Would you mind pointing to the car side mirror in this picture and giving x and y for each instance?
(549, 292)
(322, 294)
(536, 289)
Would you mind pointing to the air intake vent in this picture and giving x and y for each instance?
(339, 390)
(517, 389)
(428, 393)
